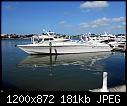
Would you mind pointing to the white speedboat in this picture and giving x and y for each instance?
(51, 44)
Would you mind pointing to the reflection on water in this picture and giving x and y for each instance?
(86, 59)
(64, 72)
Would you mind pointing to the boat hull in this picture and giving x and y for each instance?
(63, 49)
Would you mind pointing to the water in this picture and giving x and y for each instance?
(74, 72)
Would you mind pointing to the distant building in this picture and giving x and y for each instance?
(3, 35)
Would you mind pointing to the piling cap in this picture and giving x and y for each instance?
(105, 73)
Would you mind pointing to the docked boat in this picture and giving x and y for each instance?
(52, 44)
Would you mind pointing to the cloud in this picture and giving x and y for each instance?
(94, 4)
(65, 24)
(119, 19)
(123, 23)
(94, 26)
(101, 22)
(68, 25)
(118, 27)
(10, 5)
(62, 22)
(84, 25)
(96, 23)
(7, 7)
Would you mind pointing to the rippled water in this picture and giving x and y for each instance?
(77, 72)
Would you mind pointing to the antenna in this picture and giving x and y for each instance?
(89, 33)
(106, 33)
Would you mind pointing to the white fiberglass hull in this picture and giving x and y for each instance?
(70, 49)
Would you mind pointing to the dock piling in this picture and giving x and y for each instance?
(50, 48)
(104, 86)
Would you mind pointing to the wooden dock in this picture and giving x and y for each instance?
(121, 88)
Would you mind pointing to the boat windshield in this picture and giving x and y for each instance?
(47, 39)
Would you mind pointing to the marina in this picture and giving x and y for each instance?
(63, 46)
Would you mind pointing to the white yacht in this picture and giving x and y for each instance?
(52, 44)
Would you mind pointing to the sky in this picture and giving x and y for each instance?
(72, 17)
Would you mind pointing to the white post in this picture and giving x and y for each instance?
(104, 86)
(33, 39)
(69, 37)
